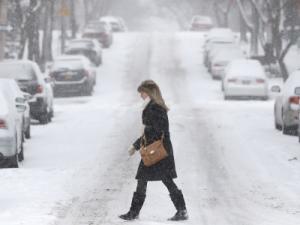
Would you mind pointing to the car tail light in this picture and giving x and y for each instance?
(218, 65)
(260, 81)
(39, 89)
(86, 73)
(3, 124)
(52, 74)
(294, 100)
(232, 80)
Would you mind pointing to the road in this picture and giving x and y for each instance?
(232, 165)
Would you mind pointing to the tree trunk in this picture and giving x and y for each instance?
(33, 32)
(47, 33)
(255, 32)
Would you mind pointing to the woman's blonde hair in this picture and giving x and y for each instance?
(152, 89)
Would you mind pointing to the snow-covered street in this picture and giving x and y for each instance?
(233, 166)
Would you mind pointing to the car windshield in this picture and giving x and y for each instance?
(81, 44)
(18, 71)
(71, 64)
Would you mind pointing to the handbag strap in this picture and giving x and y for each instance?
(145, 140)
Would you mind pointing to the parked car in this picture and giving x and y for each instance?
(214, 45)
(87, 47)
(286, 108)
(11, 127)
(102, 33)
(117, 24)
(31, 80)
(73, 74)
(222, 58)
(245, 78)
(220, 48)
(201, 23)
(12, 91)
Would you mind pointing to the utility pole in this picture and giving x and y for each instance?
(64, 12)
(3, 23)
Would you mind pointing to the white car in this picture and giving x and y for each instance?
(31, 80)
(286, 108)
(245, 78)
(117, 24)
(222, 58)
(11, 126)
(215, 43)
(12, 91)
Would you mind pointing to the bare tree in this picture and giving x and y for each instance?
(222, 9)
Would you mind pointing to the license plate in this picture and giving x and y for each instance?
(246, 82)
(68, 77)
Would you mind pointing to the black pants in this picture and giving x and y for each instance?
(168, 182)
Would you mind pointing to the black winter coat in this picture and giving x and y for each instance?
(156, 122)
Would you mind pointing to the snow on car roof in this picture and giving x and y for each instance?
(109, 19)
(228, 54)
(202, 19)
(70, 57)
(245, 67)
(220, 33)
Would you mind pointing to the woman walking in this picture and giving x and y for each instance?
(155, 120)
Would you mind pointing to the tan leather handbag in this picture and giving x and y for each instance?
(153, 153)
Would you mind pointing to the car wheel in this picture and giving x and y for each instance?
(21, 154)
(28, 132)
(44, 118)
(14, 163)
(286, 130)
(226, 97)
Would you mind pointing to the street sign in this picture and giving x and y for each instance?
(5, 27)
(64, 11)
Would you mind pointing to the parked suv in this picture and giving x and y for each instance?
(31, 80)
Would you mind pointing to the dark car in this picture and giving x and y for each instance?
(87, 47)
(73, 74)
(31, 80)
(102, 33)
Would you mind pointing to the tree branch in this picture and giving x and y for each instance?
(243, 13)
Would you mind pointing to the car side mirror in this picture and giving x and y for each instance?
(297, 91)
(27, 96)
(20, 100)
(276, 89)
(48, 80)
(21, 108)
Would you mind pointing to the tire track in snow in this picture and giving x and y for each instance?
(92, 207)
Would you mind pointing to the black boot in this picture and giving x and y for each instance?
(136, 205)
(179, 203)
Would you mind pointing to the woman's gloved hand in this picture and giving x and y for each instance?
(131, 150)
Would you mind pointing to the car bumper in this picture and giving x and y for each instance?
(7, 147)
(37, 106)
(217, 73)
(291, 118)
(69, 87)
(246, 91)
